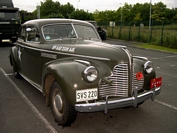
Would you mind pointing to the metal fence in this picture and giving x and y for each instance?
(162, 33)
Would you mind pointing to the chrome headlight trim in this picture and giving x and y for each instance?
(90, 74)
(148, 67)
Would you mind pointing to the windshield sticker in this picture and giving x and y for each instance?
(66, 49)
(47, 37)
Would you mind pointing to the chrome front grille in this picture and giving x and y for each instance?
(119, 86)
(137, 84)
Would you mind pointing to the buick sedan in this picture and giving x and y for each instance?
(66, 60)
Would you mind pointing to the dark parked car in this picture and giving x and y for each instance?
(76, 72)
(102, 32)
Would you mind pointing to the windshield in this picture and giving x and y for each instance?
(9, 15)
(93, 22)
(85, 32)
(60, 31)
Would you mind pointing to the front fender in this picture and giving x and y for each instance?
(68, 74)
(139, 67)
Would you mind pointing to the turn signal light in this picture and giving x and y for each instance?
(139, 75)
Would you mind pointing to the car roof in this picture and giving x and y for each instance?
(41, 22)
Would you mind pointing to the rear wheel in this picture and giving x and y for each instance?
(63, 112)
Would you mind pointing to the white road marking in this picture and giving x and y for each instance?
(33, 108)
(166, 104)
(9, 74)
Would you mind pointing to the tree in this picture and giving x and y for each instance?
(66, 9)
(108, 15)
(81, 14)
(25, 16)
(173, 12)
(137, 12)
(49, 7)
(158, 11)
(137, 17)
(127, 12)
(140, 11)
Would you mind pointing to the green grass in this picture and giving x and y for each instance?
(167, 38)
(155, 47)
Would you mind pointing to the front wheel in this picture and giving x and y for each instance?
(63, 112)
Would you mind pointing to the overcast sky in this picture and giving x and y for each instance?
(90, 5)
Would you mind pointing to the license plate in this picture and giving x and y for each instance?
(86, 95)
(156, 82)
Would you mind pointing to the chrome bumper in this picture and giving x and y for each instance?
(106, 105)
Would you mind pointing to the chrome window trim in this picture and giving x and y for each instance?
(74, 30)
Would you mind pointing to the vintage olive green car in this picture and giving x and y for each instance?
(66, 60)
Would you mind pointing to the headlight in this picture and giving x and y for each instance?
(90, 74)
(148, 67)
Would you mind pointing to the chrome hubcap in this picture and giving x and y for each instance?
(58, 102)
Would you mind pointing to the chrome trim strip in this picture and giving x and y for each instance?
(58, 52)
(140, 57)
(83, 62)
(130, 67)
(52, 56)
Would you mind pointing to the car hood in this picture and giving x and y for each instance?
(91, 49)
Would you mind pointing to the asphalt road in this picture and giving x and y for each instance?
(23, 110)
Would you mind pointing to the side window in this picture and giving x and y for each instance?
(32, 34)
